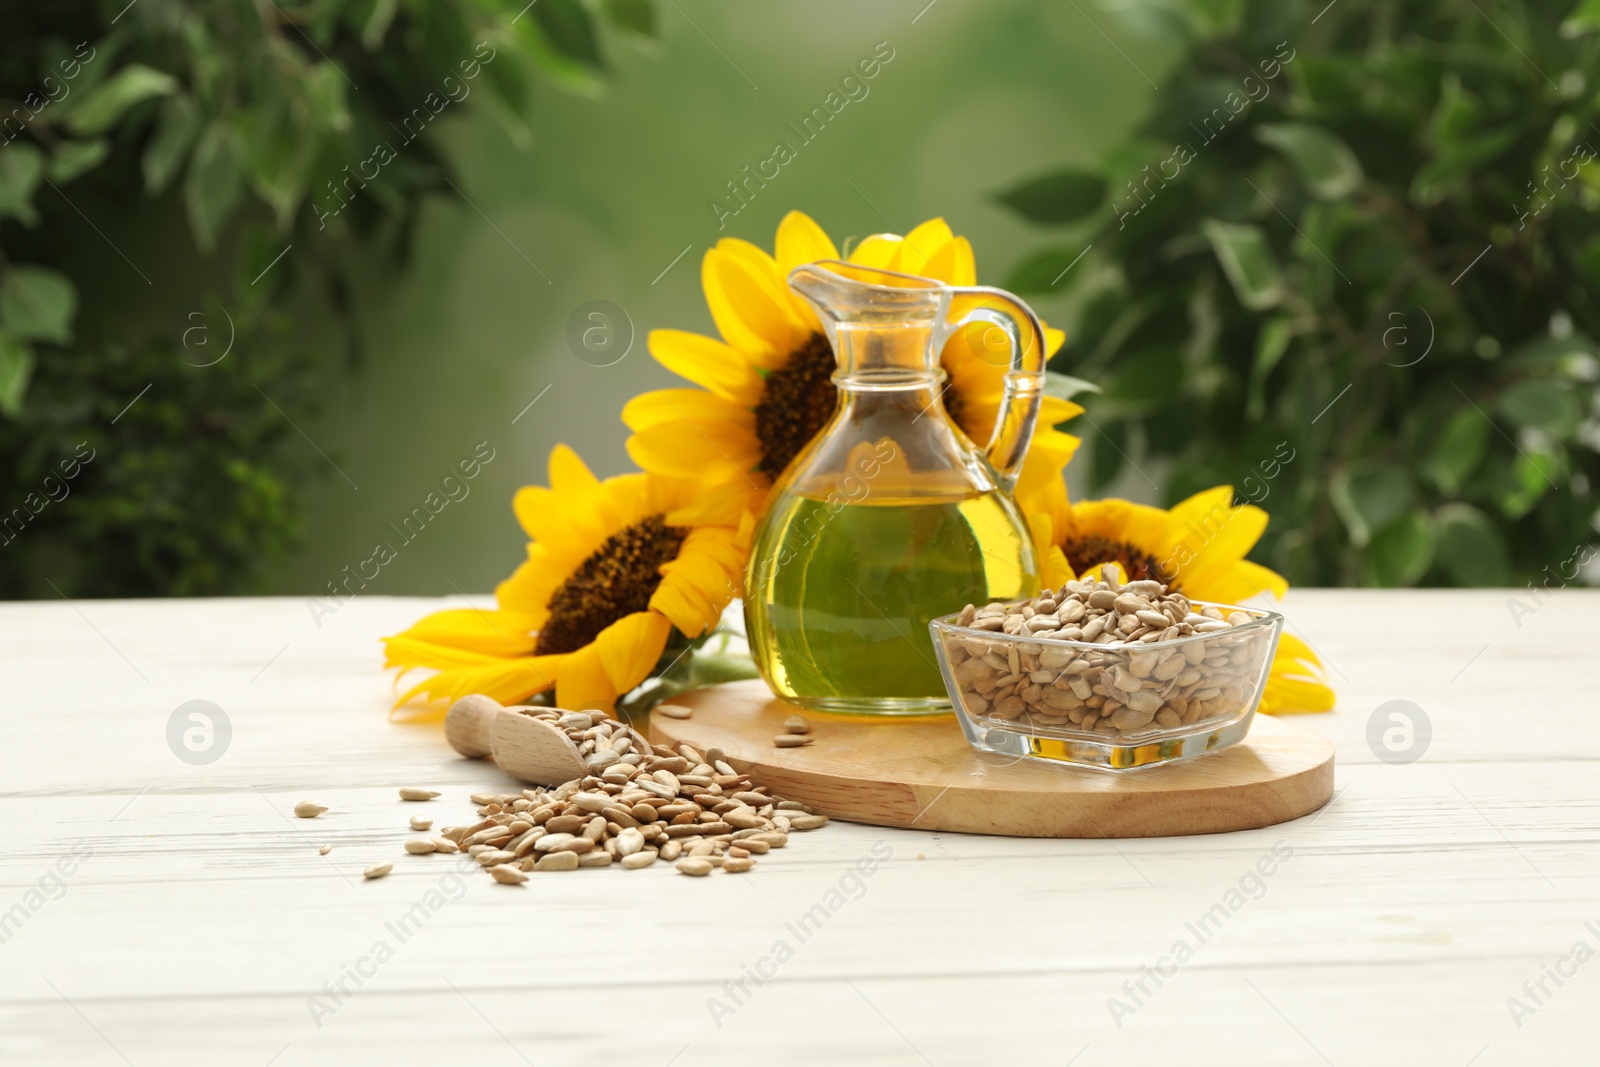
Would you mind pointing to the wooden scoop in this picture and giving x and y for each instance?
(535, 750)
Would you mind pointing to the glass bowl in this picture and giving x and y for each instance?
(1047, 699)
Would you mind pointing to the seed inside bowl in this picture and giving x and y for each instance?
(1154, 661)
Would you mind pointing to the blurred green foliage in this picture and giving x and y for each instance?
(1351, 265)
(261, 126)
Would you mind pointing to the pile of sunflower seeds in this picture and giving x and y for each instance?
(639, 803)
(1026, 675)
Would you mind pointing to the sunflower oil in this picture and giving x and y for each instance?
(840, 593)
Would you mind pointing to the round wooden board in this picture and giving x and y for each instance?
(922, 773)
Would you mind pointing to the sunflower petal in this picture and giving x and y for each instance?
(800, 241)
(920, 245)
(879, 250)
(583, 684)
(630, 647)
(707, 362)
(748, 290)
(706, 453)
(568, 473)
(953, 263)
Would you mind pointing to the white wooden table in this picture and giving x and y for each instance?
(155, 912)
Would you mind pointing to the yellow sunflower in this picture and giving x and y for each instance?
(765, 386)
(1197, 548)
(613, 567)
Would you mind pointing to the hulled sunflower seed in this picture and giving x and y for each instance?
(413, 793)
(378, 871)
(421, 822)
(792, 740)
(307, 809)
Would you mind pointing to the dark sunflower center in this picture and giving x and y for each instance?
(617, 579)
(797, 401)
(1086, 551)
(952, 403)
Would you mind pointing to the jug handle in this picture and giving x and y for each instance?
(1025, 379)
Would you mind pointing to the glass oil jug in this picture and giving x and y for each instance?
(891, 516)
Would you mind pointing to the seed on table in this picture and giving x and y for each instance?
(557, 861)
(324, 850)
(307, 809)
(694, 867)
(420, 846)
(737, 865)
(377, 872)
(595, 859)
(635, 860)
(421, 822)
(413, 793)
(506, 874)
(796, 724)
(792, 740)
(674, 711)
(808, 822)
(444, 844)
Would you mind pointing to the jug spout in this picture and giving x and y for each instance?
(881, 325)
(847, 292)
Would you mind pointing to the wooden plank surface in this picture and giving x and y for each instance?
(156, 912)
(920, 773)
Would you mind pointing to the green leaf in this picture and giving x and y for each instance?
(636, 16)
(1272, 341)
(37, 304)
(1065, 386)
(569, 29)
(1106, 453)
(1584, 18)
(1471, 549)
(16, 368)
(1402, 551)
(20, 168)
(377, 23)
(1455, 164)
(215, 179)
(1457, 450)
(74, 158)
(1326, 165)
(1247, 261)
(100, 108)
(176, 128)
(1368, 495)
(1456, 112)
(1052, 268)
(1542, 404)
(325, 87)
(1064, 196)
(1147, 379)
(1532, 474)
